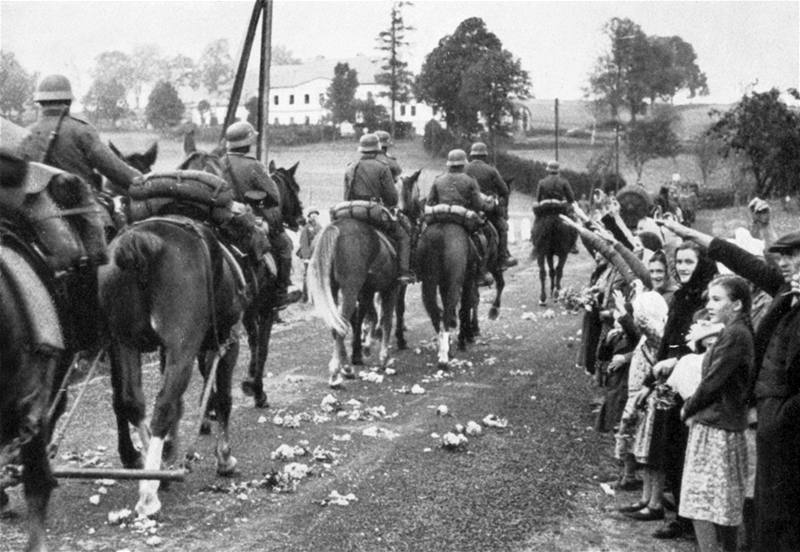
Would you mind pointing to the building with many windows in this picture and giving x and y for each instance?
(298, 93)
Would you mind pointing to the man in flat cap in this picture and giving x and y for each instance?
(776, 388)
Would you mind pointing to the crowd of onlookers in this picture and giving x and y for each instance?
(695, 341)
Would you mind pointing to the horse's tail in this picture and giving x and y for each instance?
(319, 280)
(135, 251)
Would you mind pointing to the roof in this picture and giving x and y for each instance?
(289, 76)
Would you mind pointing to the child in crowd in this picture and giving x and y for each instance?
(649, 316)
(715, 468)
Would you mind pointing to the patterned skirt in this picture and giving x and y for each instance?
(714, 475)
(644, 432)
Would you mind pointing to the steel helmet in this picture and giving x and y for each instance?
(553, 167)
(479, 148)
(456, 158)
(53, 88)
(369, 143)
(384, 137)
(241, 134)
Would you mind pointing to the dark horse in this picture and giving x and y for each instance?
(350, 257)
(448, 266)
(551, 238)
(31, 360)
(167, 288)
(411, 207)
(259, 314)
(142, 162)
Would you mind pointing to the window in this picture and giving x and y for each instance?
(307, 99)
(275, 99)
(413, 111)
(402, 110)
(291, 99)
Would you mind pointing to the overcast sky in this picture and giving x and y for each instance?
(737, 43)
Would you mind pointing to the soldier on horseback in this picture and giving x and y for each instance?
(386, 140)
(556, 187)
(371, 179)
(246, 174)
(491, 183)
(69, 143)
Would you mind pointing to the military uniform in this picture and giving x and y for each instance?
(390, 162)
(371, 179)
(555, 187)
(76, 149)
(491, 183)
(456, 188)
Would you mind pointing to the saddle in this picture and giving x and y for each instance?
(454, 214)
(371, 212)
(206, 196)
(66, 217)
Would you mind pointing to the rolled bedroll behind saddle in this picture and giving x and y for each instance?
(453, 214)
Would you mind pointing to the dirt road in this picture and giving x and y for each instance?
(531, 485)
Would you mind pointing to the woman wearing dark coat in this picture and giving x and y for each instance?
(776, 387)
(668, 445)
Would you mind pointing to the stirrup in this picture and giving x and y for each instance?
(407, 278)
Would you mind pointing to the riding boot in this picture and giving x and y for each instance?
(403, 241)
(282, 246)
(484, 279)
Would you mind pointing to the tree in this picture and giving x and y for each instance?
(763, 128)
(489, 85)
(651, 138)
(106, 100)
(396, 75)
(215, 66)
(341, 94)
(443, 73)
(369, 114)
(281, 55)
(706, 151)
(181, 71)
(164, 107)
(114, 66)
(146, 67)
(16, 86)
(639, 67)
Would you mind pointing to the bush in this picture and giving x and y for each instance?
(437, 141)
(403, 130)
(526, 175)
(295, 135)
(716, 198)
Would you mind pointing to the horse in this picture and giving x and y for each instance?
(142, 162)
(495, 268)
(352, 258)
(32, 353)
(411, 207)
(448, 267)
(551, 239)
(167, 287)
(259, 315)
(45, 318)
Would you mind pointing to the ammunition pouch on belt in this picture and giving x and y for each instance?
(453, 214)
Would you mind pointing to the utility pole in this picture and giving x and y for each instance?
(262, 150)
(556, 108)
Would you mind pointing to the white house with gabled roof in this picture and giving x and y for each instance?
(298, 93)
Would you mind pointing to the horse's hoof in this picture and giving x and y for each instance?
(3, 499)
(462, 345)
(350, 375)
(366, 351)
(227, 468)
(261, 401)
(205, 428)
(134, 463)
(402, 345)
(443, 365)
(494, 312)
(470, 339)
(148, 505)
(357, 361)
(248, 388)
(542, 303)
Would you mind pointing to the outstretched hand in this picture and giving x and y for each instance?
(568, 221)
(675, 227)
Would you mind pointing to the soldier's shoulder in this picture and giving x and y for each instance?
(79, 120)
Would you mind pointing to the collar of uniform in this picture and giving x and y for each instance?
(369, 155)
(54, 110)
